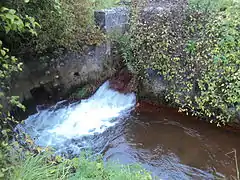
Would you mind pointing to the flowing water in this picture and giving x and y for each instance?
(167, 143)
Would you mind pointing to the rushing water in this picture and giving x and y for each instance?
(169, 144)
(64, 127)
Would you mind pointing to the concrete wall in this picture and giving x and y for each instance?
(114, 19)
(73, 69)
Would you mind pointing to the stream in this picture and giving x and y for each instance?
(169, 144)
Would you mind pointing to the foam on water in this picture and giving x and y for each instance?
(60, 123)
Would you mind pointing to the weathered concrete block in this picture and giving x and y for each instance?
(73, 69)
(114, 19)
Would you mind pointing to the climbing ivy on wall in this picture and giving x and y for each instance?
(197, 52)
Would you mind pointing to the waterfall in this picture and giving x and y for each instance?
(57, 125)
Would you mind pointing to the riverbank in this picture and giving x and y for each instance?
(165, 142)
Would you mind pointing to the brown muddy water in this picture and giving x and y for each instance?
(169, 144)
(174, 146)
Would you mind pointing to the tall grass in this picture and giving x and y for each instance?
(45, 167)
(38, 168)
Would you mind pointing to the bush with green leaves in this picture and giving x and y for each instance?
(64, 24)
(11, 24)
(197, 52)
(9, 65)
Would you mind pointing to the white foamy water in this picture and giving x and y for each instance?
(56, 125)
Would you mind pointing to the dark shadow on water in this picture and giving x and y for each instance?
(169, 144)
(175, 146)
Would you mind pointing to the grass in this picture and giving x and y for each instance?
(44, 166)
(37, 168)
(96, 170)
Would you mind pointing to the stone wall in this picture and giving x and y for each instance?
(56, 77)
(114, 19)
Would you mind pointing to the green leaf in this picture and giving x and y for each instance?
(1, 174)
(3, 53)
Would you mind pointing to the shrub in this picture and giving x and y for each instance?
(11, 24)
(64, 23)
(196, 51)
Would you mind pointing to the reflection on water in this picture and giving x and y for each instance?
(169, 144)
(175, 146)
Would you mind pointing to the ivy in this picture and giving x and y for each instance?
(197, 51)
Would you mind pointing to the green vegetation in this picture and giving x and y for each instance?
(46, 166)
(197, 53)
(64, 24)
(37, 167)
(67, 24)
(82, 92)
(97, 170)
(99, 4)
(11, 24)
(37, 28)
